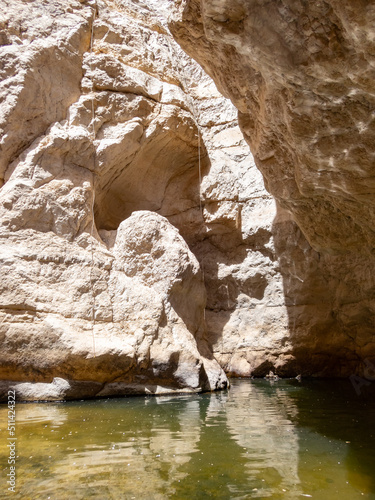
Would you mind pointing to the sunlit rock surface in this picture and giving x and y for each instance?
(301, 75)
(100, 294)
(144, 132)
(140, 251)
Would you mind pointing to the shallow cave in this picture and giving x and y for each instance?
(162, 176)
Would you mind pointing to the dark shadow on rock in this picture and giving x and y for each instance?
(162, 176)
(224, 248)
(326, 297)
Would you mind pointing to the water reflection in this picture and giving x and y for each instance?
(56, 415)
(254, 441)
(336, 427)
(268, 439)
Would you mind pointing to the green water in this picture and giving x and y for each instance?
(284, 440)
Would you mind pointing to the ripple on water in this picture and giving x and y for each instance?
(280, 441)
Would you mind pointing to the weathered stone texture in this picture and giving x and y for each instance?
(139, 248)
(301, 75)
(98, 297)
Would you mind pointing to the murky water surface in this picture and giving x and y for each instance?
(283, 440)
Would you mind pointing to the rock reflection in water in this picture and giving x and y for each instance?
(54, 415)
(260, 423)
(254, 441)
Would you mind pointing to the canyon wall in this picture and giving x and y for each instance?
(140, 251)
(301, 76)
(136, 233)
(100, 294)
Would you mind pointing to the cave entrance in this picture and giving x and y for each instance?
(157, 172)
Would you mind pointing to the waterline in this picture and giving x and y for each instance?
(257, 440)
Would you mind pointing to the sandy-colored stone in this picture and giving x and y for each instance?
(142, 147)
(301, 76)
(139, 248)
(79, 317)
(41, 50)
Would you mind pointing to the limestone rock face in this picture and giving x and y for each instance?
(139, 249)
(301, 75)
(42, 44)
(98, 298)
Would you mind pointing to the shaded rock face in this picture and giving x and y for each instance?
(301, 75)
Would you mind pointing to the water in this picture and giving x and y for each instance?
(285, 440)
